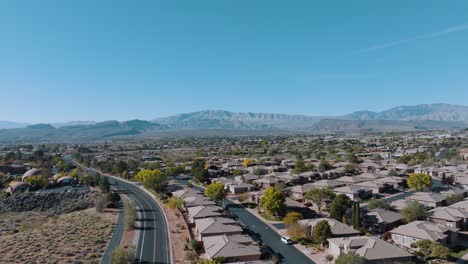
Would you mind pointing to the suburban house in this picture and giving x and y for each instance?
(354, 192)
(327, 183)
(348, 180)
(399, 204)
(408, 234)
(216, 226)
(17, 187)
(392, 181)
(338, 229)
(202, 211)
(454, 191)
(65, 181)
(198, 200)
(381, 220)
(248, 178)
(186, 192)
(374, 249)
(428, 199)
(371, 176)
(240, 187)
(231, 248)
(297, 192)
(450, 216)
(375, 186)
(29, 173)
(13, 169)
(266, 182)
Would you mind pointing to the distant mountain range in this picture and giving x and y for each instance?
(218, 122)
(433, 112)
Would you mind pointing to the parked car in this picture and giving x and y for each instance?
(286, 240)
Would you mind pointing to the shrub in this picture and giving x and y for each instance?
(195, 245)
(123, 255)
(99, 204)
(292, 218)
(130, 214)
(176, 202)
(111, 198)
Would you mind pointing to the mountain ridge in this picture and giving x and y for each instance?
(402, 118)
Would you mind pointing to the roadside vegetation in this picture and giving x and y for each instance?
(130, 214)
(123, 255)
(32, 237)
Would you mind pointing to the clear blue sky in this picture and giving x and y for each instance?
(100, 60)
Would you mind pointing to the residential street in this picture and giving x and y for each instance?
(269, 237)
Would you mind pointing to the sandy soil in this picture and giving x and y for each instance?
(78, 237)
(179, 233)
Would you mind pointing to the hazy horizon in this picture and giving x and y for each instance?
(156, 117)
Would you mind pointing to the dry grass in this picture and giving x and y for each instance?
(78, 237)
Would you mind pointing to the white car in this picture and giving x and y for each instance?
(286, 240)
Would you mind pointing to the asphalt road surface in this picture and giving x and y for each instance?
(153, 243)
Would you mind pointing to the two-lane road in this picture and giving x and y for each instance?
(153, 243)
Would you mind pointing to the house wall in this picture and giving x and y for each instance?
(458, 224)
(334, 249)
(404, 240)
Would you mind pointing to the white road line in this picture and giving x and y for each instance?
(154, 220)
(144, 230)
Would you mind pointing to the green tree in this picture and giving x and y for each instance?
(152, 179)
(272, 201)
(356, 217)
(292, 218)
(431, 249)
(97, 178)
(300, 166)
(104, 184)
(321, 232)
(85, 178)
(320, 196)
(216, 191)
(419, 181)
(350, 258)
(37, 180)
(339, 206)
(324, 166)
(119, 167)
(414, 211)
(455, 199)
(75, 173)
(260, 171)
(198, 170)
(378, 204)
(280, 186)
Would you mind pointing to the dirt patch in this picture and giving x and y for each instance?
(179, 234)
(32, 237)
